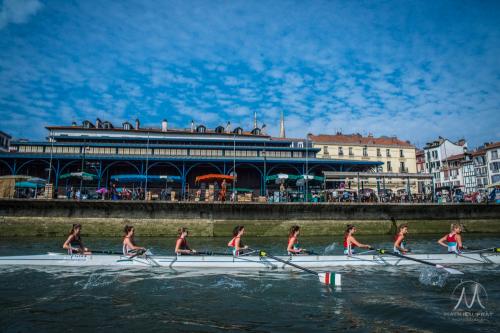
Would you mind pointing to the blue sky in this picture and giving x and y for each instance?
(415, 69)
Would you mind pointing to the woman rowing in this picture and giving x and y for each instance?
(235, 244)
(181, 245)
(453, 240)
(293, 247)
(350, 241)
(74, 243)
(129, 246)
(400, 240)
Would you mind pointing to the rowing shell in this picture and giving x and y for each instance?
(206, 261)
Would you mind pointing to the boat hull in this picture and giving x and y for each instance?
(203, 261)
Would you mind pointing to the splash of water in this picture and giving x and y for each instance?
(433, 277)
(330, 249)
(97, 280)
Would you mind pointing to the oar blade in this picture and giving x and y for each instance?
(452, 271)
(328, 278)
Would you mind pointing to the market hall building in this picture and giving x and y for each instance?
(104, 150)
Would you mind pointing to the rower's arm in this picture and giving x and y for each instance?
(442, 241)
(132, 246)
(67, 243)
(290, 248)
(397, 244)
(178, 249)
(358, 244)
(459, 241)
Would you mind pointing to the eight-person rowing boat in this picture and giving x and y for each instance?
(185, 257)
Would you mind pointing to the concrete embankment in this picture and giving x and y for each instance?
(107, 218)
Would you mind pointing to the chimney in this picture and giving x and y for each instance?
(137, 124)
(228, 127)
(282, 126)
(164, 125)
(98, 123)
(263, 129)
(192, 126)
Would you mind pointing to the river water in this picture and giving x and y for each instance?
(409, 299)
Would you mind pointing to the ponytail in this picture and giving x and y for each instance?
(181, 231)
(127, 229)
(293, 230)
(401, 227)
(348, 229)
(74, 227)
(237, 230)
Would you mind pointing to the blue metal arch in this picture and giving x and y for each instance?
(118, 162)
(67, 165)
(165, 163)
(29, 161)
(8, 166)
(332, 168)
(245, 163)
(282, 164)
(201, 163)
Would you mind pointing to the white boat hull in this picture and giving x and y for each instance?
(204, 261)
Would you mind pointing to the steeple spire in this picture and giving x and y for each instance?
(255, 120)
(282, 126)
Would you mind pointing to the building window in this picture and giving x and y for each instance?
(402, 167)
(379, 153)
(325, 150)
(389, 167)
(350, 152)
(341, 152)
(388, 152)
(428, 155)
(494, 155)
(365, 151)
(401, 153)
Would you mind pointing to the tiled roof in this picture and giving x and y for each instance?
(359, 139)
(456, 157)
(492, 145)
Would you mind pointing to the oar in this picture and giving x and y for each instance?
(449, 270)
(324, 278)
(475, 250)
(105, 252)
(210, 253)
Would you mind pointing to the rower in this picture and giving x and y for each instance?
(293, 247)
(74, 243)
(235, 244)
(453, 239)
(129, 247)
(350, 242)
(400, 240)
(181, 245)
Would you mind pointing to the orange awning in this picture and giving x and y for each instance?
(213, 177)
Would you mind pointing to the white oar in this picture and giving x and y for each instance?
(449, 270)
(325, 277)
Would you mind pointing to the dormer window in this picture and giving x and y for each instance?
(256, 131)
(107, 125)
(219, 129)
(201, 129)
(238, 130)
(127, 126)
(87, 124)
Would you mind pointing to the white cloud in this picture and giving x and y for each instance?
(17, 11)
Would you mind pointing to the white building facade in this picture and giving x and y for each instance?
(493, 160)
(437, 154)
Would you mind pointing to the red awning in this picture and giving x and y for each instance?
(213, 177)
